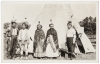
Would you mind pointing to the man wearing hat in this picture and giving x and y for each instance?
(70, 40)
(51, 42)
(39, 41)
(23, 40)
(14, 34)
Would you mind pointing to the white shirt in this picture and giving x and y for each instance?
(23, 34)
(71, 32)
(14, 31)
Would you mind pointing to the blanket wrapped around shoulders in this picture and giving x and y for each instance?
(52, 32)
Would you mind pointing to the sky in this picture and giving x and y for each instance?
(31, 10)
(44, 11)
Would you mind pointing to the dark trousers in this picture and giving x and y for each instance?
(70, 47)
(13, 45)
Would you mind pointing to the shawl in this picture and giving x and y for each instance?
(52, 32)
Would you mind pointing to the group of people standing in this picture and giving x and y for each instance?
(47, 44)
(44, 46)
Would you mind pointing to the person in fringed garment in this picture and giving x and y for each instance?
(38, 42)
(23, 39)
(51, 43)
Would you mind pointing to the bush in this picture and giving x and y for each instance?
(89, 24)
(18, 25)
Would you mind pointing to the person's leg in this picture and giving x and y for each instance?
(21, 52)
(26, 51)
(14, 47)
(11, 47)
(69, 47)
(72, 49)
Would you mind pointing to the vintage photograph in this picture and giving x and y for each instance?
(49, 30)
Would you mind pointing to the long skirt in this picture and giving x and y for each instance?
(39, 52)
(50, 52)
(50, 49)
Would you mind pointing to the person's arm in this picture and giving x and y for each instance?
(46, 36)
(43, 36)
(17, 32)
(35, 36)
(66, 36)
(66, 39)
(19, 38)
(19, 35)
(31, 38)
(28, 40)
(28, 34)
(74, 35)
(56, 39)
(45, 42)
(11, 32)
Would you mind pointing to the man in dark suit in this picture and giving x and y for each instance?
(14, 34)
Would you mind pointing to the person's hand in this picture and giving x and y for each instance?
(19, 44)
(75, 45)
(28, 43)
(80, 35)
(65, 43)
(25, 41)
(34, 40)
(54, 50)
(19, 40)
(31, 39)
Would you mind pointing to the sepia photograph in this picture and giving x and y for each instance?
(51, 31)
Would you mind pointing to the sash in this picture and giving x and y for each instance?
(50, 40)
(14, 31)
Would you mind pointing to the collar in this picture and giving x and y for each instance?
(39, 29)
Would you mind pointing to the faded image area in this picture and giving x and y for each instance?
(49, 30)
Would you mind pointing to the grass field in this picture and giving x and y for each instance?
(89, 56)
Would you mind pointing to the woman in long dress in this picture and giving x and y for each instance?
(51, 43)
(38, 42)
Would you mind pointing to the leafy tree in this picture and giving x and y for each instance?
(89, 25)
(91, 19)
(6, 25)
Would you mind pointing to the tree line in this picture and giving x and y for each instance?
(18, 25)
(89, 24)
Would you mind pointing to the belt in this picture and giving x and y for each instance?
(69, 37)
(14, 35)
(8, 36)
